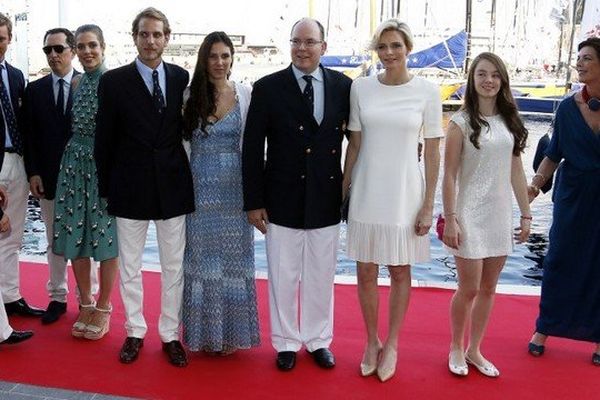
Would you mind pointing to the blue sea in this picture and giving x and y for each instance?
(523, 267)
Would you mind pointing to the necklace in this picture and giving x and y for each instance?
(593, 103)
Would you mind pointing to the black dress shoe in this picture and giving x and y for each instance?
(176, 353)
(17, 337)
(130, 350)
(286, 360)
(20, 307)
(323, 357)
(596, 359)
(54, 311)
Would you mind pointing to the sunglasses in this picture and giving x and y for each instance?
(58, 48)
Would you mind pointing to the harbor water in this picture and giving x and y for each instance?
(523, 266)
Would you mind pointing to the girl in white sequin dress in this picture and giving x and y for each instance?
(482, 164)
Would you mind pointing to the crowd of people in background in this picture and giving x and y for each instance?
(107, 151)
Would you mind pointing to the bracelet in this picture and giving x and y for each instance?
(446, 215)
(529, 218)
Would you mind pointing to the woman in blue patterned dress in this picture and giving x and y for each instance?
(82, 226)
(219, 297)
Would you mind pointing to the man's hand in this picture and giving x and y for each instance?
(4, 224)
(3, 197)
(36, 186)
(259, 219)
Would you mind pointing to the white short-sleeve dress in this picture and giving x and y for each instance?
(388, 187)
(484, 199)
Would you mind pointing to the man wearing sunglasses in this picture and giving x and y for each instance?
(46, 126)
(12, 177)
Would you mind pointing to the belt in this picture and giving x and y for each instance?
(10, 150)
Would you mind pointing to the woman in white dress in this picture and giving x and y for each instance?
(484, 143)
(391, 207)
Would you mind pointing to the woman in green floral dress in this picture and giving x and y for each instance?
(82, 226)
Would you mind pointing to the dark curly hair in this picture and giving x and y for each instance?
(505, 103)
(201, 103)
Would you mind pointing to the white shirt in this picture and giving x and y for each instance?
(318, 90)
(146, 73)
(66, 86)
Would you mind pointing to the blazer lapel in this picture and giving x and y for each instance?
(329, 89)
(14, 84)
(48, 95)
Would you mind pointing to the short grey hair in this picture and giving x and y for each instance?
(393, 24)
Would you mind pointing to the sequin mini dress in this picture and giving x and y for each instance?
(484, 199)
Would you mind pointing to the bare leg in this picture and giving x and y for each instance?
(399, 299)
(469, 276)
(368, 296)
(398, 304)
(81, 270)
(482, 305)
(108, 274)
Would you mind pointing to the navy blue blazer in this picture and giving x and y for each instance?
(143, 169)
(16, 81)
(300, 183)
(46, 132)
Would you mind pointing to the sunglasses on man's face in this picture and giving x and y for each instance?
(58, 48)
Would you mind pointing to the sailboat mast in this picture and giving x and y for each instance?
(576, 5)
(493, 26)
(468, 31)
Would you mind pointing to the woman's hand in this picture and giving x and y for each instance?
(424, 221)
(452, 234)
(532, 192)
(523, 231)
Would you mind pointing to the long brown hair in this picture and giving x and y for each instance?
(202, 103)
(505, 104)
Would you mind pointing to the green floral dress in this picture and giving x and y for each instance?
(82, 226)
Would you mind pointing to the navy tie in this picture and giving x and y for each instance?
(157, 94)
(60, 100)
(309, 93)
(9, 116)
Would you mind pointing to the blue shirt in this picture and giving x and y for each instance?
(146, 73)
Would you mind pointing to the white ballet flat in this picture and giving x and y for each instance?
(486, 368)
(460, 369)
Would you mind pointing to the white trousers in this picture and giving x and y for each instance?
(14, 179)
(301, 265)
(171, 244)
(5, 329)
(57, 284)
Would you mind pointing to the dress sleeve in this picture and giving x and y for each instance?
(354, 119)
(459, 119)
(554, 149)
(432, 115)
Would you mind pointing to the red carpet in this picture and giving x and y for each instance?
(54, 358)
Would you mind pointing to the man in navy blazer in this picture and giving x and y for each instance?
(46, 125)
(295, 196)
(144, 173)
(13, 178)
(7, 334)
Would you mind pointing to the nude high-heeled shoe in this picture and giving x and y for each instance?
(387, 366)
(368, 365)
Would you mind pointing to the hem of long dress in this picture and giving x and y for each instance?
(225, 347)
(565, 335)
(386, 244)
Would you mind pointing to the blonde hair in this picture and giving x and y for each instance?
(392, 24)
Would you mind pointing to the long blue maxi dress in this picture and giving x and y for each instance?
(570, 301)
(219, 295)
